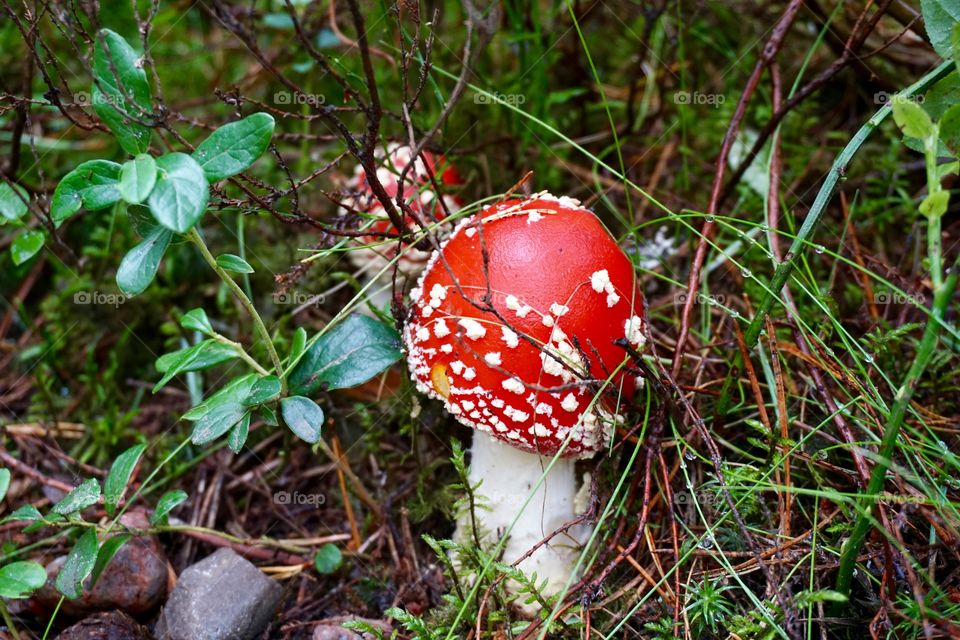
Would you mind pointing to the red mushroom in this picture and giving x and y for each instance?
(513, 326)
(418, 192)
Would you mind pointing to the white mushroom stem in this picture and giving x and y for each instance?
(509, 478)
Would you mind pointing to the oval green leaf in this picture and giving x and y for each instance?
(139, 267)
(349, 354)
(230, 262)
(303, 417)
(78, 565)
(167, 503)
(20, 579)
(180, 196)
(328, 559)
(13, 202)
(119, 477)
(26, 245)
(239, 432)
(234, 147)
(121, 93)
(92, 185)
(137, 178)
(83, 496)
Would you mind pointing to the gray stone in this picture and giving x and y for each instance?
(222, 597)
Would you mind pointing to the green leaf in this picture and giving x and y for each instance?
(21, 579)
(92, 185)
(351, 353)
(269, 415)
(235, 146)
(935, 205)
(230, 262)
(200, 356)
(137, 178)
(121, 93)
(234, 391)
(26, 513)
(167, 503)
(806, 598)
(197, 320)
(939, 17)
(265, 389)
(180, 196)
(107, 550)
(950, 129)
(78, 565)
(303, 417)
(297, 344)
(328, 559)
(139, 267)
(26, 245)
(118, 478)
(4, 482)
(911, 118)
(239, 432)
(13, 202)
(81, 497)
(942, 95)
(217, 422)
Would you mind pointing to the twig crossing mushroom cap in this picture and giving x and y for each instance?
(529, 370)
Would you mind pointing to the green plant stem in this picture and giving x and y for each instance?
(246, 357)
(194, 236)
(942, 293)
(868, 500)
(934, 255)
(7, 620)
(802, 239)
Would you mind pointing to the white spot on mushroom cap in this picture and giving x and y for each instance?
(558, 309)
(510, 337)
(474, 329)
(493, 358)
(513, 385)
(570, 403)
(423, 334)
(633, 331)
(599, 280)
(440, 328)
(469, 373)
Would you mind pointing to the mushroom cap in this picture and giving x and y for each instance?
(528, 372)
(418, 192)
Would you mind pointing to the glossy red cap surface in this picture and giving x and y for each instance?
(528, 372)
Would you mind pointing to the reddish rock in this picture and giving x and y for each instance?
(135, 580)
(108, 625)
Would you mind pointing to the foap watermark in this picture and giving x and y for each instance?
(717, 300)
(881, 98)
(99, 298)
(698, 98)
(513, 99)
(297, 298)
(87, 99)
(299, 97)
(702, 497)
(297, 498)
(897, 297)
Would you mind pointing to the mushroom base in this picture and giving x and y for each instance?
(509, 479)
